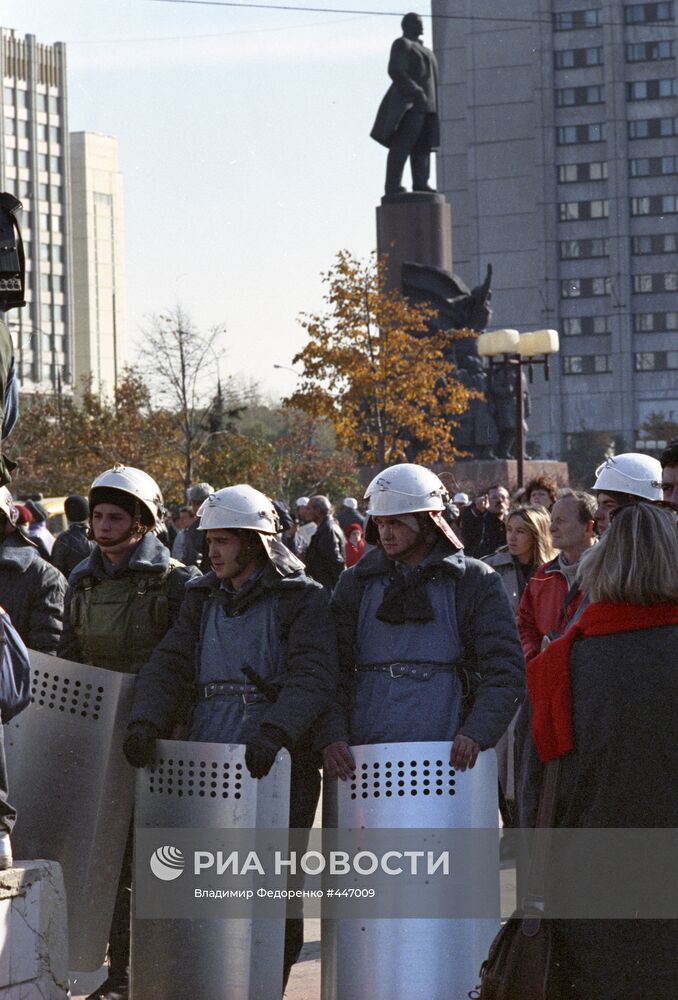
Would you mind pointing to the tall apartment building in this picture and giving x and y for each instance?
(98, 254)
(34, 166)
(560, 158)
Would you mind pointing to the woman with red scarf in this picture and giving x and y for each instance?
(604, 699)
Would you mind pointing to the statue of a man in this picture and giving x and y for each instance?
(407, 120)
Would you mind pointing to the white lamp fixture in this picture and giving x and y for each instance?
(538, 342)
(496, 342)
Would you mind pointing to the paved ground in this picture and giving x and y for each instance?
(304, 981)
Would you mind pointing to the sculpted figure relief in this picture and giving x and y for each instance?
(407, 120)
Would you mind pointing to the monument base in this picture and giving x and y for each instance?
(414, 226)
(476, 474)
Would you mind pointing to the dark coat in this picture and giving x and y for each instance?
(487, 631)
(414, 71)
(70, 548)
(621, 773)
(346, 516)
(307, 682)
(326, 554)
(482, 534)
(32, 592)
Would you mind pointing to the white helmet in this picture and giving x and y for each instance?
(134, 483)
(461, 498)
(639, 475)
(405, 489)
(7, 505)
(239, 506)
(351, 503)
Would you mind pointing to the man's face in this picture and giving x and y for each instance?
(315, 513)
(482, 503)
(397, 539)
(225, 553)
(606, 504)
(499, 501)
(540, 498)
(670, 483)
(567, 531)
(111, 527)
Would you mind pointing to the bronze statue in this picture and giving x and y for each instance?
(407, 119)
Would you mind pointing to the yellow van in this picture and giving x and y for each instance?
(56, 522)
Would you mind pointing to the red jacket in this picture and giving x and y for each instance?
(546, 607)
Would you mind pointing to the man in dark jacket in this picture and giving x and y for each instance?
(31, 591)
(418, 602)
(120, 602)
(255, 610)
(326, 554)
(349, 514)
(72, 545)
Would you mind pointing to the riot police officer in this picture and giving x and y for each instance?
(120, 602)
(417, 602)
(256, 610)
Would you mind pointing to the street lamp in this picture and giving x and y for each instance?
(509, 347)
(286, 368)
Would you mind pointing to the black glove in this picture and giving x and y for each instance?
(139, 746)
(262, 749)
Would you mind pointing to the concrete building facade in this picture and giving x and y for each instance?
(560, 159)
(34, 166)
(98, 255)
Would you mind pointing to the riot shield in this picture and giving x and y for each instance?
(74, 790)
(230, 959)
(416, 959)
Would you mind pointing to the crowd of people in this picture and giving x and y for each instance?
(249, 622)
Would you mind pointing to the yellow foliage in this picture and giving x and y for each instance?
(390, 394)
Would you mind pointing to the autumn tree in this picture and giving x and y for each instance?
(62, 445)
(372, 368)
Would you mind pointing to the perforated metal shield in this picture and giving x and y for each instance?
(401, 786)
(74, 790)
(234, 959)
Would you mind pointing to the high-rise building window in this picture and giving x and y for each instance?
(647, 13)
(586, 364)
(656, 204)
(653, 128)
(42, 102)
(575, 288)
(570, 20)
(10, 126)
(575, 326)
(651, 90)
(650, 51)
(567, 97)
(10, 156)
(581, 249)
(575, 58)
(653, 166)
(568, 135)
(655, 243)
(570, 211)
(655, 322)
(572, 173)
(656, 361)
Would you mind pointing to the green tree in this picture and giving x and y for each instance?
(371, 368)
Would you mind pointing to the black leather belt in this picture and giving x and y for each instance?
(229, 689)
(404, 669)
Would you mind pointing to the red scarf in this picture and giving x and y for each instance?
(548, 674)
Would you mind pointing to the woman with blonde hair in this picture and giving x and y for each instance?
(604, 699)
(528, 546)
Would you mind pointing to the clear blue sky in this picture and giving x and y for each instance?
(244, 145)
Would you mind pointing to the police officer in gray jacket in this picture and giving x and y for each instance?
(417, 621)
(253, 653)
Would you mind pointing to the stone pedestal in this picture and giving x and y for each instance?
(476, 474)
(415, 226)
(33, 932)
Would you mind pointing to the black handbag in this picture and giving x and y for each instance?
(519, 960)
